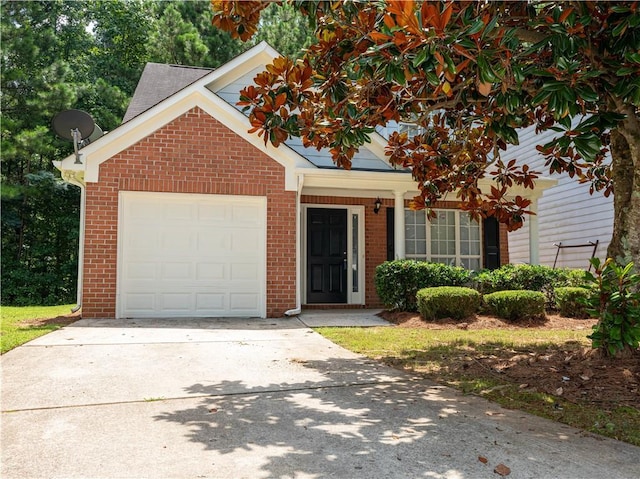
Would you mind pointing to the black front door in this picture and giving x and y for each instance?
(326, 255)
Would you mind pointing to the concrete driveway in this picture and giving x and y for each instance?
(260, 399)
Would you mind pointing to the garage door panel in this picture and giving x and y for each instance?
(210, 271)
(213, 242)
(175, 302)
(243, 301)
(212, 214)
(141, 301)
(210, 302)
(243, 272)
(191, 255)
(244, 240)
(179, 212)
(176, 271)
(141, 271)
(172, 242)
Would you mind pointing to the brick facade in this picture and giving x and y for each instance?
(197, 154)
(193, 154)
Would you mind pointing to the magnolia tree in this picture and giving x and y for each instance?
(470, 74)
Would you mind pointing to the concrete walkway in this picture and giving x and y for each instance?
(260, 399)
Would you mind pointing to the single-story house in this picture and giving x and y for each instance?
(186, 214)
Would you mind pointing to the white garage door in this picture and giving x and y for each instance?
(184, 255)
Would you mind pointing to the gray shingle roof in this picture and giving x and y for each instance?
(158, 82)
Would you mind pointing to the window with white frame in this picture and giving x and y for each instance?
(452, 237)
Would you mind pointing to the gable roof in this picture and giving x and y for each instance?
(168, 91)
(158, 82)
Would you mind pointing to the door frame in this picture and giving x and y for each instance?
(352, 297)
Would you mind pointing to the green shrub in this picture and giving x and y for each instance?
(447, 302)
(617, 306)
(513, 277)
(397, 282)
(572, 301)
(530, 277)
(577, 278)
(515, 304)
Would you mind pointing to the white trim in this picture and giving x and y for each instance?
(399, 225)
(357, 298)
(534, 233)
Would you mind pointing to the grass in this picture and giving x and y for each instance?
(17, 326)
(440, 356)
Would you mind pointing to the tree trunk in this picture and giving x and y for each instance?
(625, 152)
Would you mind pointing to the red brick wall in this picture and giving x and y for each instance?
(192, 154)
(503, 236)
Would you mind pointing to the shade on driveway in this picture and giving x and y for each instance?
(260, 399)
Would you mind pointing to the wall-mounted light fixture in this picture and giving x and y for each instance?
(377, 205)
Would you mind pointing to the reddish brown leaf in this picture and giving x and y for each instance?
(379, 37)
(484, 88)
(502, 470)
(565, 14)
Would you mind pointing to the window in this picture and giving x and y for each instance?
(452, 237)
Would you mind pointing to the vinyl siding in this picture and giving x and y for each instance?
(567, 213)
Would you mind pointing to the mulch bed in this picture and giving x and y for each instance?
(573, 372)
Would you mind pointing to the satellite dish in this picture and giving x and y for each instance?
(66, 121)
(74, 125)
(97, 133)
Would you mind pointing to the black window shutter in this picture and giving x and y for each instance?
(391, 244)
(491, 240)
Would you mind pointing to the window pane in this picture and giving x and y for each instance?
(421, 247)
(474, 248)
(410, 216)
(410, 247)
(464, 247)
(475, 231)
(354, 251)
(451, 247)
(471, 263)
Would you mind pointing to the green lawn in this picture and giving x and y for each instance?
(18, 325)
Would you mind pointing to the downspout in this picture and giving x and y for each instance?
(298, 309)
(77, 178)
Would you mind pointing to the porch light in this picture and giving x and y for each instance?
(377, 205)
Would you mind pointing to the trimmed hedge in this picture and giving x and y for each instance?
(572, 301)
(531, 278)
(448, 302)
(397, 282)
(515, 304)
